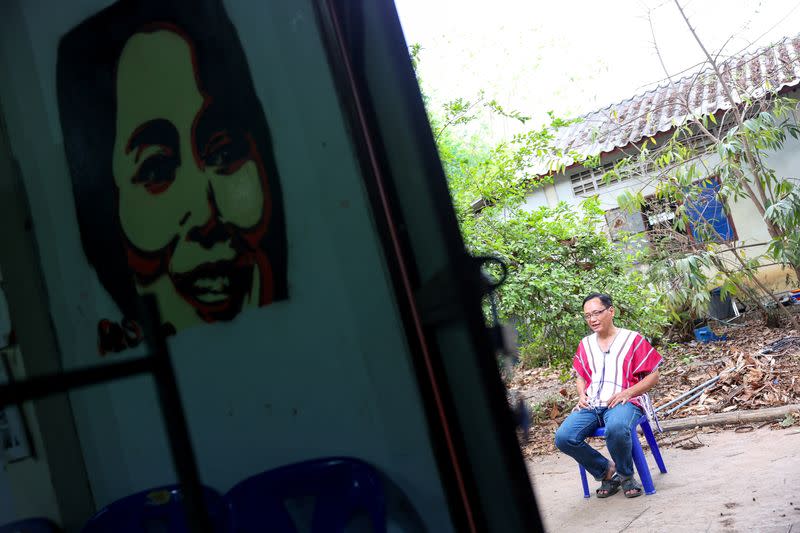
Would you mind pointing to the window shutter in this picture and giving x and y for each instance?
(708, 210)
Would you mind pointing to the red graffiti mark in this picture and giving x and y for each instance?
(114, 338)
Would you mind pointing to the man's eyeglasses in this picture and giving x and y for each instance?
(595, 314)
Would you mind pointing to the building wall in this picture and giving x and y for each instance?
(550, 195)
(545, 196)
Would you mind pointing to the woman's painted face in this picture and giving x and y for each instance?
(193, 201)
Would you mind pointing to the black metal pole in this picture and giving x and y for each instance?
(160, 366)
(40, 386)
(175, 422)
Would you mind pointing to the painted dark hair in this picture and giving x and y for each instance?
(605, 299)
(86, 78)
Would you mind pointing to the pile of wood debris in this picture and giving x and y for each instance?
(754, 368)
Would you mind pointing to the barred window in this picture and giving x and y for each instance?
(591, 179)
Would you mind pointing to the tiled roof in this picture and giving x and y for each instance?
(668, 105)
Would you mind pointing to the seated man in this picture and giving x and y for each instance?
(615, 367)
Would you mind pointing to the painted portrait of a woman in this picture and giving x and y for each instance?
(173, 174)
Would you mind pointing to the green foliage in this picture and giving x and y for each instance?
(555, 256)
(784, 213)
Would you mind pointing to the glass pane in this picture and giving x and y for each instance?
(197, 159)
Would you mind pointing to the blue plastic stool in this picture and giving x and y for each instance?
(31, 525)
(155, 510)
(638, 457)
(340, 487)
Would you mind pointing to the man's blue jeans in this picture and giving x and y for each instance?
(618, 421)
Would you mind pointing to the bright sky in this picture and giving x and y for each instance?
(575, 56)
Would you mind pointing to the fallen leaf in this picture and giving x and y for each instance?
(755, 376)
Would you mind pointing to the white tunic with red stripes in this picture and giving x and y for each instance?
(628, 360)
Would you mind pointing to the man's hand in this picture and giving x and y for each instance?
(583, 401)
(619, 398)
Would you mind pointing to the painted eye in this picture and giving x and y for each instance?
(156, 173)
(226, 156)
(221, 157)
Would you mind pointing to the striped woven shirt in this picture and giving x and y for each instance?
(628, 360)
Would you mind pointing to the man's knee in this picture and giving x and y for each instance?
(564, 440)
(617, 432)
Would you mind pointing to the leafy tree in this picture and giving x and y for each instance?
(555, 256)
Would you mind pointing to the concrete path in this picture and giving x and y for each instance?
(735, 482)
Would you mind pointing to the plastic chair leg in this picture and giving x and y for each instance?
(641, 464)
(638, 458)
(584, 481)
(651, 441)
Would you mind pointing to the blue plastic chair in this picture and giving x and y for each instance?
(340, 487)
(158, 510)
(30, 525)
(638, 457)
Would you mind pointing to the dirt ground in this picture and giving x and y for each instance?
(732, 482)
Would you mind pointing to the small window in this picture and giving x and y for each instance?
(591, 179)
(708, 220)
(583, 182)
(659, 219)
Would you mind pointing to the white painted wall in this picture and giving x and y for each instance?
(325, 373)
(544, 196)
(535, 200)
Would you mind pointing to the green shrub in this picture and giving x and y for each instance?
(556, 256)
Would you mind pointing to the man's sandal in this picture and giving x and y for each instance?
(610, 486)
(631, 488)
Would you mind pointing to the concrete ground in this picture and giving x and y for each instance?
(734, 482)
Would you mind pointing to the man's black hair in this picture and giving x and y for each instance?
(605, 299)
